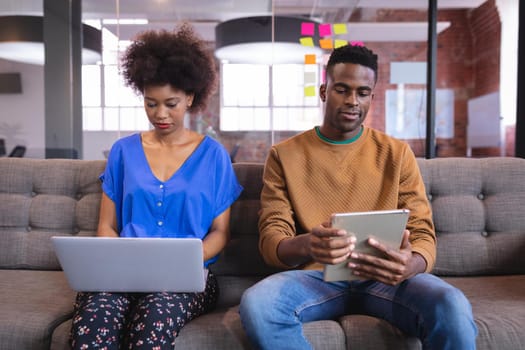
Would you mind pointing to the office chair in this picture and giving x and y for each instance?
(18, 151)
(2, 148)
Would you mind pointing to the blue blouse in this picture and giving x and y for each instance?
(183, 206)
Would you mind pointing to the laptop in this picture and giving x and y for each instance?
(117, 264)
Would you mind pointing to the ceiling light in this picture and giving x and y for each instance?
(125, 21)
(22, 40)
(263, 40)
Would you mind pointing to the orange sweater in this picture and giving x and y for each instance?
(306, 179)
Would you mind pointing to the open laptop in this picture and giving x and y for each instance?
(95, 264)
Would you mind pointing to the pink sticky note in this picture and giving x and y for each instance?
(307, 29)
(357, 43)
(325, 30)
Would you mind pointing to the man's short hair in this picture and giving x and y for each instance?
(357, 54)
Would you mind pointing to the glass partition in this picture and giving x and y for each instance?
(269, 84)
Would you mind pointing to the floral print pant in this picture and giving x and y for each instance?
(137, 320)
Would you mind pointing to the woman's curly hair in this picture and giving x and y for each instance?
(179, 58)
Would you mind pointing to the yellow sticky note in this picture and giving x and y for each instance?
(309, 59)
(309, 91)
(326, 44)
(340, 28)
(339, 43)
(307, 41)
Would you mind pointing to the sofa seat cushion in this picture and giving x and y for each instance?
(498, 304)
(33, 304)
(223, 330)
(370, 333)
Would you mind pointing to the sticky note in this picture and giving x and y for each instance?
(326, 44)
(309, 78)
(339, 43)
(326, 57)
(309, 91)
(307, 41)
(310, 59)
(325, 30)
(339, 28)
(307, 29)
(357, 43)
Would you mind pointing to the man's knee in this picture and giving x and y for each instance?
(453, 303)
(249, 302)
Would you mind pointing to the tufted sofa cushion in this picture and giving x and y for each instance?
(52, 197)
(477, 207)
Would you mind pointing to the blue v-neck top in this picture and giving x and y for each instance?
(183, 206)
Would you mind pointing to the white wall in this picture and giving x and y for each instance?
(22, 115)
(96, 142)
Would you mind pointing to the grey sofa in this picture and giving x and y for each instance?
(479, 212)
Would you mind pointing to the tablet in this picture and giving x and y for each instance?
(386, 226)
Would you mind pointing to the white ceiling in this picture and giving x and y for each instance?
(206, 14)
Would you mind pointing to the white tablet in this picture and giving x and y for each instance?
(386, 226)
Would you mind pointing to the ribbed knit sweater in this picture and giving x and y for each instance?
(306, 179)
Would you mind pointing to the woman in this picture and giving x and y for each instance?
(165, 182)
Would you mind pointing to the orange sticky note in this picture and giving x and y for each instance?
(307, 41)
(309, 91)
(309, 59)
(340, 28)
(326, 44)
(339, 43)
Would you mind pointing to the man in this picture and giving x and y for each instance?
(343, 166)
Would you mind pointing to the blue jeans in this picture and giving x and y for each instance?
(273, 310)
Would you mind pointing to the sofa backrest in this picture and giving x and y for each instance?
(241, 256)
(478, 208)
(41, 198)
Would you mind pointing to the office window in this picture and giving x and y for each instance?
(257, 97)
(254, 97)
(109, 105)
